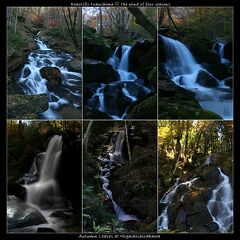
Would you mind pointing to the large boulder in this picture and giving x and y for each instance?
(27, 106)
(75, 65)
(20, 214)
(206, 80)
(228, 51)
(52, 74)
(96, 51)
(16, 190)
(219, 70)
(15, 64)
(99, 73)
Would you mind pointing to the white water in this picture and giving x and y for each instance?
(221, 52)
(220, 205)
(33, 83)
(114, 156)
(45, 193)
(183, 69)
(167, 199)
(122, 67)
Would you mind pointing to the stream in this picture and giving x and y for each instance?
(108, 162)
(66, 95)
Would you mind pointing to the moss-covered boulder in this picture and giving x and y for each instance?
(27, 106)
(144, 109)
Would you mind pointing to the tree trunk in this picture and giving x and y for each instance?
(128, 145)
(142, 20)
(86, 137)
(170, 17)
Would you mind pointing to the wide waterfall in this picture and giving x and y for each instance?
(131, 86)
(32, 82)
(184, 71)
(45, 193)
(114, 156)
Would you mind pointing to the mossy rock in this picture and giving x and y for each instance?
(147, 109)
(185, 110)
(152, 77)
(27, 106)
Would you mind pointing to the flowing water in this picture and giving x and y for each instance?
(45, 193)
(220, 50)
(131, 86)
(220, 204)
(113, 157)
(31, 81)
(184, 70)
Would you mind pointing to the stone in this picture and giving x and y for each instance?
(52, 74)
(213, 227)
(201, 219)
(15, 64)
(75, 65)
(228, 51)
(218, 70)
(59, 214)
(20, 214)
(206, 80)
(26, 106)
(99, 73)
(229, 82)
(17, 190)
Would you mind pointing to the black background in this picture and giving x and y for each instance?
(3, 136)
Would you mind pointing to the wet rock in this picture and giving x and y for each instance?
(219, 70)
(20, 215)
(26, 106)
(75, 65)
(200, 219)
(52, 74)
(229, 82)
(228, 51)
(99, 73)
(44, 230)
(17, 190)
(213, 227)
(59, 214)
(152, 77)
(180, 221)
(15, 64)
(94, 114)
(206, 80)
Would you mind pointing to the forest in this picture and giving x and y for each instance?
(43, 168)
(119, 181)
(195, 62)
(44, 62)
(119, 63)
(195, 176)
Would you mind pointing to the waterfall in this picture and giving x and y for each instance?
(220, 51)
(44, 193)
(33, 83)
(184, 71)
(114, 155)
(220, 205)
(167, 199)
(127, 82)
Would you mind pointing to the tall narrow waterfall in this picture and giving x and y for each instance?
(184, 71)
(44, 193)
(221, 204)
(114, 155)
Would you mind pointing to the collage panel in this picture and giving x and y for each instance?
(195, 63)
(120, 63)
(195, 179)
(44, 50)
(43, 171)
(120, 177)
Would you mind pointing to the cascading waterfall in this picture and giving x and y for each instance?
(126, 81)
(167, 199)
(184, 70)
(113, 157)
(220, 205)
(45, 193)
(220, 51)
(32, 82)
